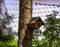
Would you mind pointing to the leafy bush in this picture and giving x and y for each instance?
(10, 43)
(39, 43)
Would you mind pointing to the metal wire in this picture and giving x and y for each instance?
(39, 9)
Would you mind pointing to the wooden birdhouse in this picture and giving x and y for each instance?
(35, 23)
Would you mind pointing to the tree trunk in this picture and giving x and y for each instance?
(25, 15)
(28, 38)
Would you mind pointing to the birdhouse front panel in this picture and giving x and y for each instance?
(35, 23)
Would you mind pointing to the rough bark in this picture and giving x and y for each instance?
(25, 15)
(28, 38)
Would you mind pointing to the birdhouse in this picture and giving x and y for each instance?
(35, 23)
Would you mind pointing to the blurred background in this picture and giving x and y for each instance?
(9, 18)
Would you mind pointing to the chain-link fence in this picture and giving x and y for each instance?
(42, 10)
(39, 9)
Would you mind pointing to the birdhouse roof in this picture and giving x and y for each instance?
(34, 19)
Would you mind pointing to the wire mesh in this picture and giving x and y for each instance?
(39, 9)
(12, 7)
(42, 10)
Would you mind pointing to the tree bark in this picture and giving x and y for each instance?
(28, 38)
(25, 15)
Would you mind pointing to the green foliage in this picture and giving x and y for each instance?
(35, 42)
(6, 37)
(40, 43)
(10, 43)
(51, 33)
(52, 30)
